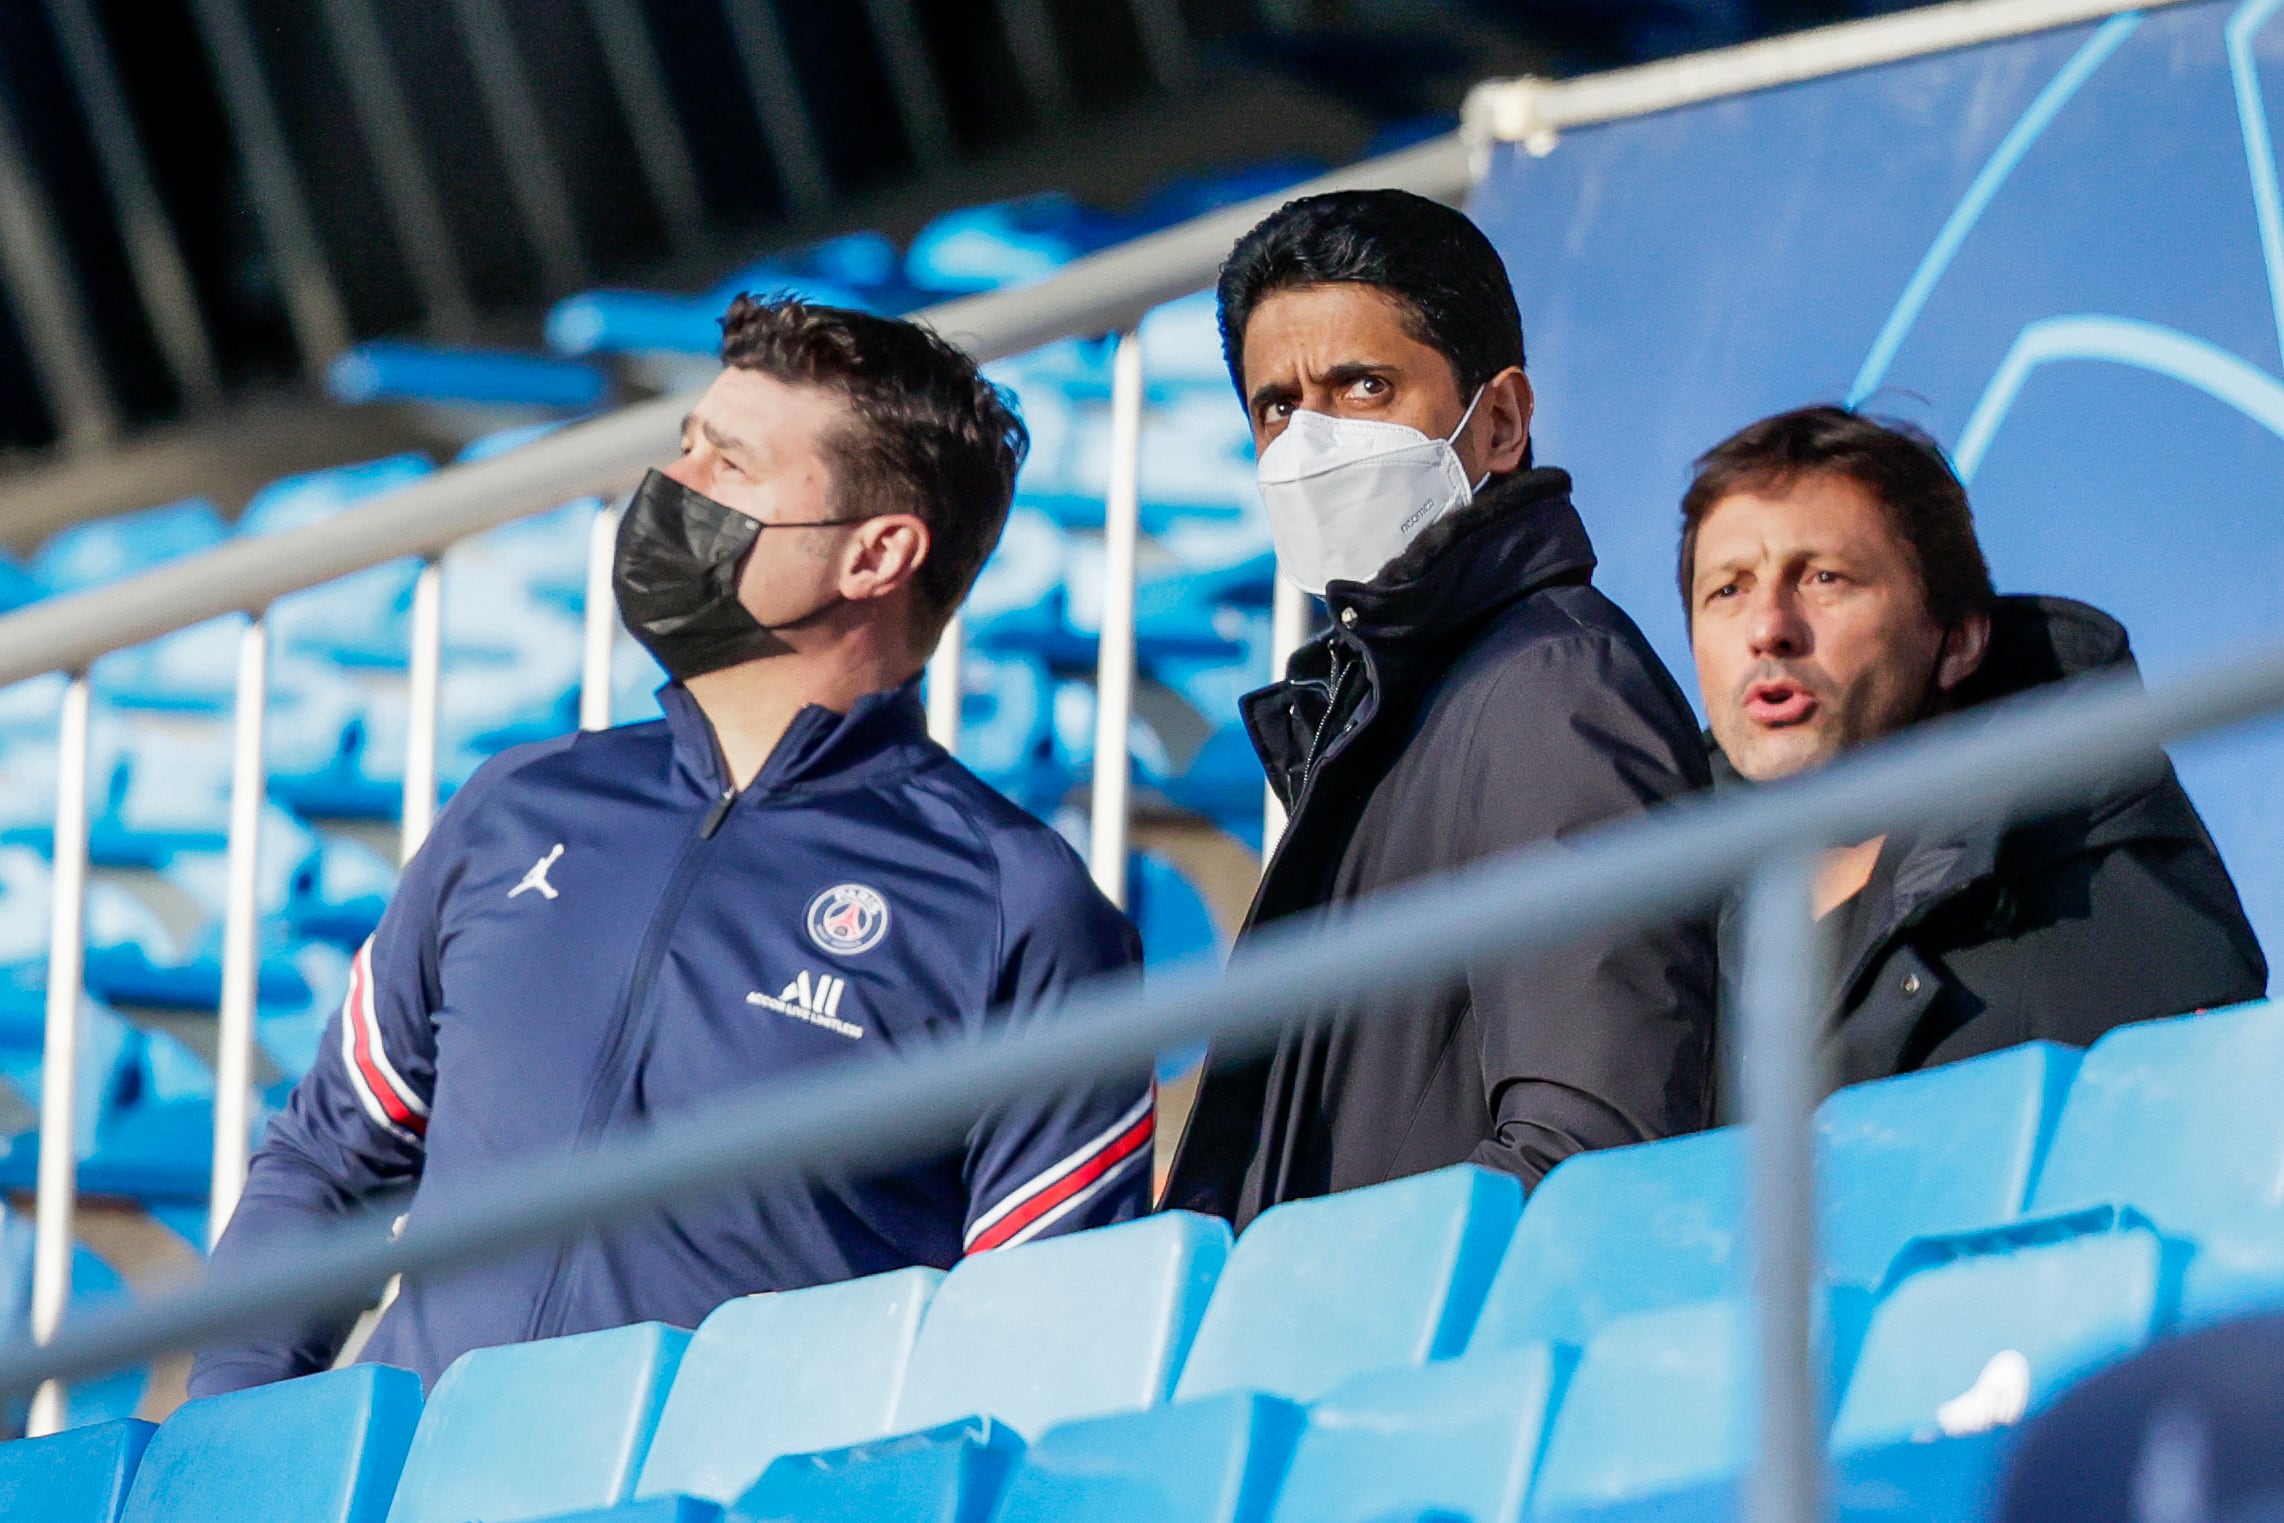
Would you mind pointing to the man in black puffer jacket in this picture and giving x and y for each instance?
(1837, 594)
(1474, 694)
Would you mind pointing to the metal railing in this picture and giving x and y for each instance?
(2042, 751)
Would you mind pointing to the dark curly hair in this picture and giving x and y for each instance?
(928, 435)
(1439, 267)
(1903, 469)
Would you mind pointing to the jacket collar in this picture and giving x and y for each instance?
(1518, 535)
(881, 729)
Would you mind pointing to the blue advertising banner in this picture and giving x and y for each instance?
(2062, 255)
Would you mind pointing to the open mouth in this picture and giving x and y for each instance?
(1778, 703)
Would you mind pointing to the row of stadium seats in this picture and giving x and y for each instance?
(1430, 1347)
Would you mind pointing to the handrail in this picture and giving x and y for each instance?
(1535, 111)
(2034, 752)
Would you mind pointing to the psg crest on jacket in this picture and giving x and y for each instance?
(847, 919)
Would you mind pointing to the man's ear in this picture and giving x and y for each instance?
(1964, 646)
(1501, 425)
(885, 555)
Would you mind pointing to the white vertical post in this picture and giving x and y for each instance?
(241, 913)
(1781, 985)
(1288, 628)
(59, 1061)
(944, 685)
(600, 621)
(1114, 660)
(424, 692)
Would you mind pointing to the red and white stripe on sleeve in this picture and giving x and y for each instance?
(390, 1103)
(1068, 1184)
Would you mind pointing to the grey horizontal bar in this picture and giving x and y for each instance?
(2031, 753)
(1517, 110)
(1099, 294)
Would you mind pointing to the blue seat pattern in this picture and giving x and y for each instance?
(1218, 1459)
(1067, 1327)
(534, 1429)
(1459, 1437)
(949, 1474)
(784, 1374)
(80, 1475)
(1379, 1278)
(322, 1449)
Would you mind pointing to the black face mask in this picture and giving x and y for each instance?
(680, 554)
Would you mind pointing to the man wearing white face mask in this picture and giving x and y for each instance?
(1474, 694)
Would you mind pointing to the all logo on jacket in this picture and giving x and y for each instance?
(816, 1000)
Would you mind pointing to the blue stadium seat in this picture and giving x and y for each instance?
(382, 370)
(1067, 1327)
(1661, 1224)
(655, 1510)
(1660, 1401)
(951, 1474)
(1011, 243)
(788, 1373)
(1952, 1480)
(1947, 1149)
(534, 1429)
(2179, 1119)
(1625, 1230)
(1218, 1459)
(80, 1475)
(1380, 1278)
(103, 550)
(322, 1449)
(1457, 1438)
(1967, 1345)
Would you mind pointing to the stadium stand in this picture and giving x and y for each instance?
(836, 1402)
(1434, 1348)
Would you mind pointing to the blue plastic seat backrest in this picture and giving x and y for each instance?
(80, 1475)
(949, 1474)
(1621, 1231)
(1066, 1327)
(1462, 1436)
(322, 1449)
(1214, 1460)
(784, 1374)
(2178, 1118)
(1966, 1345)
(1381, 1278)
(1947, 1149)
(1659, 1401)
(1632, 1229)
(533, 1429)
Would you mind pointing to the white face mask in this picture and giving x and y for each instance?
(1345, 496)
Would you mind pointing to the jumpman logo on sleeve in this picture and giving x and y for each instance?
(537, 877)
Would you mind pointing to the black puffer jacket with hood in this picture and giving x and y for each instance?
(1478, 695)
(1976, 939)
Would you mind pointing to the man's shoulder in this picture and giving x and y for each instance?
(1039, 877)
(1571, 647)
(561, 762)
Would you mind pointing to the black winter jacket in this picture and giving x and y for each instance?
(2062, 928)
(1478, 695)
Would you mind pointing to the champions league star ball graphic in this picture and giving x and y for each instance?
(847, 919)
(2062, 254)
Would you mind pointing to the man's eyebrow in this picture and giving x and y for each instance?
(1357, 370)
(728, 444)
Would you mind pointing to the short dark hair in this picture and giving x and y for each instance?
(1438, 266)
(1903, 469)
(930, 436)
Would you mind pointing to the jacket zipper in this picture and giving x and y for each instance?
(607, 1077)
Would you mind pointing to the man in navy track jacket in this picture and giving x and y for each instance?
(611, 929)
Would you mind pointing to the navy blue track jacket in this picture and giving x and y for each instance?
(599, 934)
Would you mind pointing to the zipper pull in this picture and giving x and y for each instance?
(717, 814)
